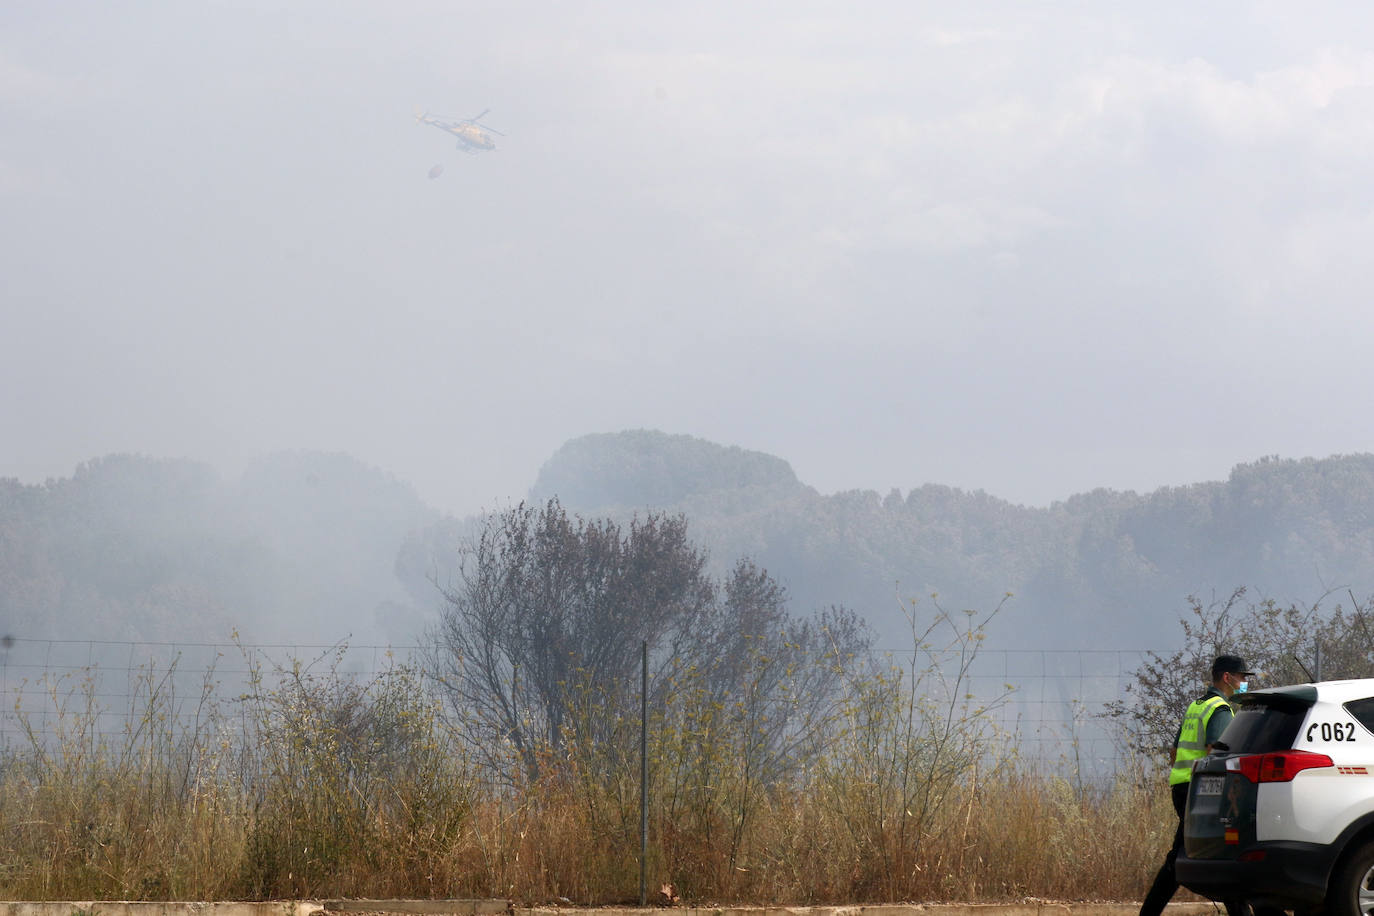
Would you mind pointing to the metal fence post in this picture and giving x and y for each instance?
(644, 774)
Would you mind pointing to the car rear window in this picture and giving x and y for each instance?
(1363, 711)
(1267, 721)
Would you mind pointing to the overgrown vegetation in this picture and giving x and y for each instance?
(787, 764)
(313, 782)
(1327, 639)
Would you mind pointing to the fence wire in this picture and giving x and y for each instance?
(1049, 705)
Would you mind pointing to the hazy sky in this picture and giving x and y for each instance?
(1027, 248)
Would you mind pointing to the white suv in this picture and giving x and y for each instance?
(1282, 812)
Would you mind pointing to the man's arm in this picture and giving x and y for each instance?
(1217, 724)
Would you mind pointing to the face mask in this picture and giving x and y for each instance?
(1242, 686)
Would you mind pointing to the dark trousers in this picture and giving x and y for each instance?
(1162, 891)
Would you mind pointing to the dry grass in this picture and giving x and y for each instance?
(321, 786)
(1013, 837)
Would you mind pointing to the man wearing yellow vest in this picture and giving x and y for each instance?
(1203, 723)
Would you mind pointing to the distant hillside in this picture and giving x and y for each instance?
(1102, 569)
(301, 549)
(310, 548)
(645, 468)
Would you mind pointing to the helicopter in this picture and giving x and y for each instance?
(473, 136)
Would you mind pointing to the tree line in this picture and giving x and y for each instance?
(315, 548)
(1108, 560)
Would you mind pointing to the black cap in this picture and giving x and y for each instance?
(1229, 664)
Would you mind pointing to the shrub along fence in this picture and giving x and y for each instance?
(947, 772)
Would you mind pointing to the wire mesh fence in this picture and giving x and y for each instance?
(108, 686)
(1056, 703)
(1048, 705)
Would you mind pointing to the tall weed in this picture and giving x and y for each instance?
(311, 782)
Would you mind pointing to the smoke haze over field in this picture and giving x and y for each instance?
(1028, 250)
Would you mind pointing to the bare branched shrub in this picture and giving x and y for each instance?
(737, 729)
(1282, 644)
(347, 777)
(549, 608)
(904, 774)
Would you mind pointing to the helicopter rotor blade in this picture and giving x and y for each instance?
(485, 112)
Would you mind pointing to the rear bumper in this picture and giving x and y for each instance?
(1285, 874)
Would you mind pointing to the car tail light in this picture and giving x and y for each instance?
(1280, 766)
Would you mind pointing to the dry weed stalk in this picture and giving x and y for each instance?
(312, 782)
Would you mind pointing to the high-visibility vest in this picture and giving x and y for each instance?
(1192, 737)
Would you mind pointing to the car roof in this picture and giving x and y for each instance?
(1345, 690)
(1327, 691)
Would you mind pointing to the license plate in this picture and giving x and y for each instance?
(1210, 785)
